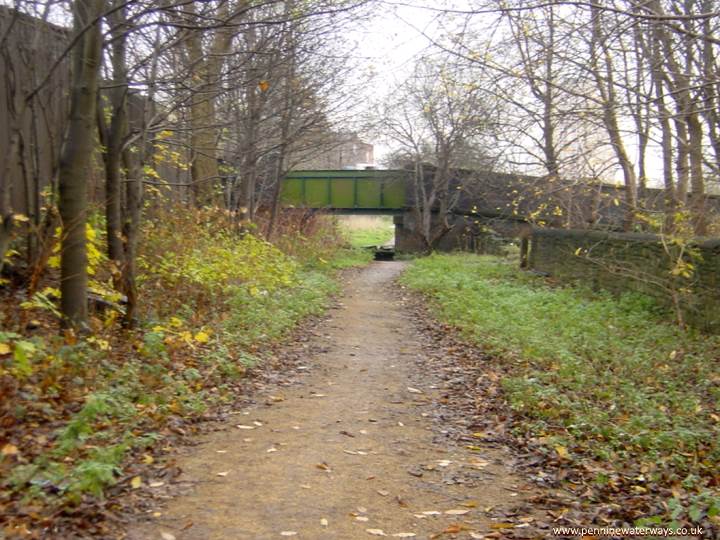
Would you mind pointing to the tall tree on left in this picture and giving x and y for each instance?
(75, 159)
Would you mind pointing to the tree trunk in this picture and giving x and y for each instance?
(131, 232)
(75, 160)
(206, 70)
(606, 87)
(670, 195)
(113, 137)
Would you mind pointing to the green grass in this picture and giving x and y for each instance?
(365, 231)
(607, 378)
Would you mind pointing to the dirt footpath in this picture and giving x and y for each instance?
(356, 450)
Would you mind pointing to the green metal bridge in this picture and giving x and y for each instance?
(346, 191)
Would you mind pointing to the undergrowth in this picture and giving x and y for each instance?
(214, 300)
(606, 383)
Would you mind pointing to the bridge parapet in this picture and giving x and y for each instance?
(346, 190)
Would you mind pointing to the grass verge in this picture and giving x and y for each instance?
(603, 384)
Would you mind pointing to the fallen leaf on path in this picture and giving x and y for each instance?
(221, 451)
(323, 466)
(414, 390)
(156, 484)
(351, 452)
(243, 426)
(383, 492)
(431, 513)
(167, 536)
(258, 424)
(400, 501)
(452, 529)
(288, 533)
(376, 532)
(477, 536)
(346, 433)
(502, 525)
(362, 518)
(363, 432)
(224, 473)
(136, 482)
(401, 424)
(248, 439)
(562, 452)
(304, 486)
(313, 394)
(444, 462)
(9, 450)
(271, 449)
(324, 522)
(457, 512)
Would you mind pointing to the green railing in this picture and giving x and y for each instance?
(344, 190)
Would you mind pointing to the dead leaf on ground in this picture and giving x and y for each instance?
(167, 536)
(288, 533)
(9, 450)
(243, 426)
(136, 482)
(323, 467)
(414, 390)
(457, 512)
(383, 492)
(224, 473)
(376, 532)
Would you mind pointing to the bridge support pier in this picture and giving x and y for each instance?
(468, 233)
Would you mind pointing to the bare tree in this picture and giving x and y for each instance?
(440, 109)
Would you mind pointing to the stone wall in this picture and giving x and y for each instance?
(621, 262)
